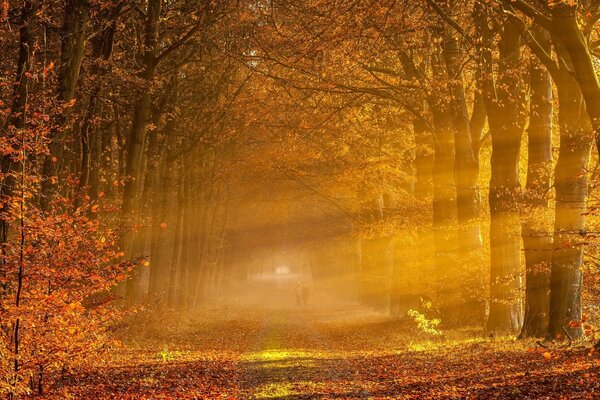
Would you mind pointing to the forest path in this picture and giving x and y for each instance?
(269, 348)
(292, 358)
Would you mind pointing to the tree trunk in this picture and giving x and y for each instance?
(175, 264)
(91, 158)
(468, 200)
(423, 159)
(137, 137)
(16, 122)
(571, 197)
(444, 202)
(73, 36)
(505, 104)
(159, 254)
(568, 32)
(536, 227)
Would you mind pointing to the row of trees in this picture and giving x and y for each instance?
(119, 120)
(472, 76)
(145, 142)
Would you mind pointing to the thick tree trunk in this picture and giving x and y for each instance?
(505, 104)
(536, 227)
(568, 31)
(144, 209)
(468, 200)
(571, 196)
(444, 202)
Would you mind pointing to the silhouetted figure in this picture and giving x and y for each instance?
(304, 294)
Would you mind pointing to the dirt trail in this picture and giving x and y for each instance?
(292, 359)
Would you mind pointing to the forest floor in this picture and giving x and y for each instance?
(272, 349)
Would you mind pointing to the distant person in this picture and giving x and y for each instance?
(305, 294)
(298, 294)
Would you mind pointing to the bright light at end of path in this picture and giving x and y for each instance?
(282, 270)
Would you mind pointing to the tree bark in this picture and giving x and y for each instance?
(536, 227)
(444, 195)
(568, 31)
(505, 105)
(137, 136)
(571, 197)
(73, 36)
(175, 264)
(16, 121)
(91, 149)
(468, 200)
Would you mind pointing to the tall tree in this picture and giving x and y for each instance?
(73, 36)
(576, 123)
(504, 96)
(536, 223)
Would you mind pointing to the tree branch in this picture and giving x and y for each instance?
(184, 39)
(531, 12)
(533, 44)
(436, 7)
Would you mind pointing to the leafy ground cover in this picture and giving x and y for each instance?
(327, 350)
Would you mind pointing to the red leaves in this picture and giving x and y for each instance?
(47, 69)
(296, 354)
(574, 324)
(66, 260)
(4, 11)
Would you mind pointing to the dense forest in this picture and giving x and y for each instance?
(434, 162)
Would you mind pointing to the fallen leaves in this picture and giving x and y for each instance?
(243, 353)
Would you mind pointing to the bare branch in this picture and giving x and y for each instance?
(531, 12)
(436, 7)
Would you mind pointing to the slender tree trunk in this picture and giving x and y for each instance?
(187, 240)
(146, 204)
(373, 256)
(424, 159)
(16, 122)
(203, 243)
(536, 227)
(73, 37)
(102, 45)
(159, 255)
(175, 264)
(137, 137)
